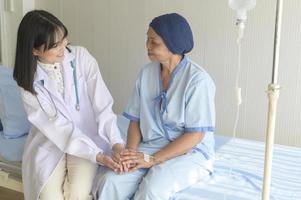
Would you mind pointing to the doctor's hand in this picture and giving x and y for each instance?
(108, 162)
(117, 149)
(136, 160)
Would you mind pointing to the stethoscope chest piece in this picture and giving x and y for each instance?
(53, 118)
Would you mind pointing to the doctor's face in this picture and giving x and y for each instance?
(55, 54)
(156, 48)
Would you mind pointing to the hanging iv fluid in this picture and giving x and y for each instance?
(242, 6)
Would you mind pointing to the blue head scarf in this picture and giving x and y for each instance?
(175, 32)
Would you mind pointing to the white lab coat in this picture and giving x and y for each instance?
(82, 133)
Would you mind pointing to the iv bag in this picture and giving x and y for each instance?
(242, 6)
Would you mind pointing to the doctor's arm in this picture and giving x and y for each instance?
(61, 131)
(102, 102)
(180, 146)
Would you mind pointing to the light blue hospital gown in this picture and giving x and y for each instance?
(186, 107)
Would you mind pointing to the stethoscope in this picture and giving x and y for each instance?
(77, 107)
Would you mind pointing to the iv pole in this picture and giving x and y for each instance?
(273, 94)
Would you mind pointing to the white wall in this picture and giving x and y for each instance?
(10, 17)
(114, 32)
(52, 6)
(11, 13)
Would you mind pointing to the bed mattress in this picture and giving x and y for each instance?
(239, 173)
(238, 169)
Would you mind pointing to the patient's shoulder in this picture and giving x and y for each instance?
(150, 68)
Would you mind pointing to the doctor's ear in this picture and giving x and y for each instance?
(36, 52)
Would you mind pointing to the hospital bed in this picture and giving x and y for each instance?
(238, 170)
(10, 162)
(239, 173)
(13, 119)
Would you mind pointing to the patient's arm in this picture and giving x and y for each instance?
(134, 136)
(176, 148)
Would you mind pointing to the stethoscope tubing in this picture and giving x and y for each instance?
(77, 106)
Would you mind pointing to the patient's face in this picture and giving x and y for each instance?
(156, 48)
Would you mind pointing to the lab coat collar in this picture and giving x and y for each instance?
(41, 74)
(43, 80)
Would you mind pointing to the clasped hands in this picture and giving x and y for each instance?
(124, 160)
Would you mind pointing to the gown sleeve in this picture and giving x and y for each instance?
(200, 107)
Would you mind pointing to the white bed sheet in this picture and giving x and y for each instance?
(239, 173)
(238, 169)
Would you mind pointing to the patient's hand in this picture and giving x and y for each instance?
(128, 159)
(117, 150)
(135, 160)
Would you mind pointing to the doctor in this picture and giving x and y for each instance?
(69, 106)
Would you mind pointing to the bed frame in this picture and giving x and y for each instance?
(10, 175)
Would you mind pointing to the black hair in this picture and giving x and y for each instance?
(37, 28)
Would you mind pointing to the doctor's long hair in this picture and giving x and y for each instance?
(37, 28)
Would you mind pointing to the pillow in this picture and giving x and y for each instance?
(12, 149)
(12, 113)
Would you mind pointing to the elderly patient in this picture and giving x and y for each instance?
(170, 141)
